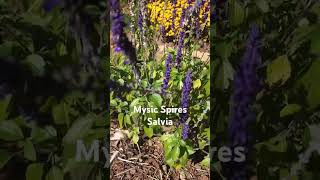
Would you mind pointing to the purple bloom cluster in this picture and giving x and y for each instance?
(186, 90)
(185, 131)
(163, 31)
(197, 7)
(185, 103)
(213, 16)
(190, 5)
(197, 27)
(246, 86)
(120, 38)
(174, 13)
(180, 46)
(167, 74)
(185, 95)
(140, 20)
(199, 4)
(182, 17)
(48, 5)
(207, 9)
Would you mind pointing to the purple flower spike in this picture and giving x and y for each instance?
(140, 20)
(182, 17)
(185, 103)
(174, 12)
(246, 86)
(179, 51)
(185, 131)
(163, 31)
(185, 95)
(120, 38)
(167, 74)
(48, 5)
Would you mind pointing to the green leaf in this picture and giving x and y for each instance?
(224, 50)
(202, 144)
(277, 144)
(34, 171)
(196, 84)
(290, 109)
(225, 74)
(79, 129)
(315, 44)
(134, 103)
(6, 48)
(312, 85)
(205, 162)
(42, 134)
(60, 114)
(184, 159)
(174, 154)
(54, 173)
(278, 71)
(29, 151)
(9, 131)
(4, 103)
(156, 99)
(190, 149)
(315, 133)
(148, 131)
(306, 137)
(47, 106)
(207, 88)
(36, 63)
(127, 119)
(120, 120)
(135, 138)
(236, 13)
(263, 5)
(35, 20)
(5, 156)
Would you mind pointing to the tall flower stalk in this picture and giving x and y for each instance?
(180, 47)
(185, 103)
(120, 38)
(167, 74)
(246, 86)
(174, 13)
(181, 39)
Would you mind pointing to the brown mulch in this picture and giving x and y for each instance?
(146, 161)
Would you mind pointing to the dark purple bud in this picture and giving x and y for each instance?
(48, 5)
(167, 74)
(126, 62)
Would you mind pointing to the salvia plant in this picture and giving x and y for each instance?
(246, 86)
(172, 76)
(265, 73)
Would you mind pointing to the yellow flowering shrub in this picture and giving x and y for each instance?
(161, 14)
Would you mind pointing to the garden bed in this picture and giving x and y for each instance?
(146, 160)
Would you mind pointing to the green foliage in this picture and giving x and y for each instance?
(176, 150)
(43, 48)
(146, 92)
(289, 101)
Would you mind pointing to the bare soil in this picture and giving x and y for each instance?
(145, 161)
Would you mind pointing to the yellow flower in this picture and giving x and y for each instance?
(161, 13)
